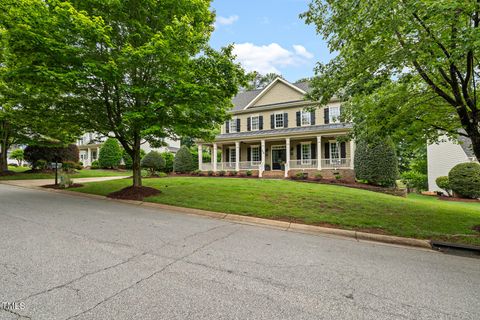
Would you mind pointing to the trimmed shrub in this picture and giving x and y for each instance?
(337, 176)
(110, 154)
(169, 158)
(153, 161)
(95, 165)
(222, 173)
(464, 179)
(48, 154)
(249, 173)
(127, 160)
(301, 175)
(415, 180)
(69, 166)
(443, 183)
(318, 176)
(210, 173)
(376, 162)
(196, 172)
(18, 155)
(183, 161)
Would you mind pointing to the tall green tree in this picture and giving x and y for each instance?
(138, 70)
(402, 65)
(260, 81)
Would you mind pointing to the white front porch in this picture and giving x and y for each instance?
(304, 153)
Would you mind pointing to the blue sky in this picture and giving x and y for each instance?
(269, 36)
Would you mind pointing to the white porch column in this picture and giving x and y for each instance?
(319, 152)
(352, 153)
(287, 149)
(200, 156)
(89, 156)
(98, 153)
(262, 165)
(237, 156)
(214, 160)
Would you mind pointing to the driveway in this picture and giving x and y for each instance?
(68, 257)
(44, 182)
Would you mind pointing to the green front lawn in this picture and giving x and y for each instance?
(417, 216)
(21, 175)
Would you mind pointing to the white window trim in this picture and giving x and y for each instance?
(234, 149)
(232, 124)
(251, 122)
(331, 142)
(276, 147)
(309, 160)
(302, 112)
(275, 119)
(259, 153)
(331, 119)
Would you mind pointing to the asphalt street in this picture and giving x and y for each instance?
(69, 257)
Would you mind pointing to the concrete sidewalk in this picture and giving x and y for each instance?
(43, 182)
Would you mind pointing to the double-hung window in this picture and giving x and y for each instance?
(233, 155)
(255, 123)
(306, 153)
(279, 121)
(306, 118)
(334, 114)
(255, 154)
(233, 125)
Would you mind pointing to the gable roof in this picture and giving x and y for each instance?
(245, 99)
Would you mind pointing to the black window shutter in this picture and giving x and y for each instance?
(299, 151)
(312, 118)
(314, 150)
(227, 126)
(260, 123)
(227, 155)
(285, 120)
(249, 124)
(326, 114)
(327, 150)
(238, 125)
(343, 150)
(272, 121)
(299, 123)
(249, 154)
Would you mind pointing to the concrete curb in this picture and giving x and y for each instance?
(281, 225)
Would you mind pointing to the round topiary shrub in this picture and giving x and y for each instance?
(443, 183)
(183, 161)
(464, 179)
(153, 162)
(376, 162)
(110, 154)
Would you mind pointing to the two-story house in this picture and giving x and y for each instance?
(89, 145)
(276, 132)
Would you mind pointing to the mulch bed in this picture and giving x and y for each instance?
(134, 193)
(52, 186)
(458, 199)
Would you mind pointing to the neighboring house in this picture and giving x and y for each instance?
(277, 132)
(445, 155)
(90, 144)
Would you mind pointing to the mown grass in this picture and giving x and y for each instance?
(415, 216)
(20, 174)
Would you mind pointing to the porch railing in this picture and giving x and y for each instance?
(335, 163)
(230, 166)
(303, 164)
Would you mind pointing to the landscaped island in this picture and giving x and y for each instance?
(317, 204)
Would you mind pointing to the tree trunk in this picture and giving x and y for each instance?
(3, 160)
(474, 135)
(137, 170)
(4, 145)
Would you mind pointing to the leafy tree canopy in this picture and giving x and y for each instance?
(260, 81)
(140, 70)
(403, 67)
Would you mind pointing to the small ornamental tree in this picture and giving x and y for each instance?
(183, 161)
(48, 154)
(376, 162)
(153, 161)
(443, 183)
(464, 179)
(169, 158)
(110, 154)
(17, 155)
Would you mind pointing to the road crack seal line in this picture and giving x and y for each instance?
(19, 316)
(158, 271)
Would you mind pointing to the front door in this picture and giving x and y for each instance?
(279, 155)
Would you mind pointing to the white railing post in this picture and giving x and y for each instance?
(200, 156)
(214, 156)
(287, 162)
(319, 152)
(237, 156)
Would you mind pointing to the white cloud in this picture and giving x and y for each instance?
(269, 58)
(225, 21)
(301, 51)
